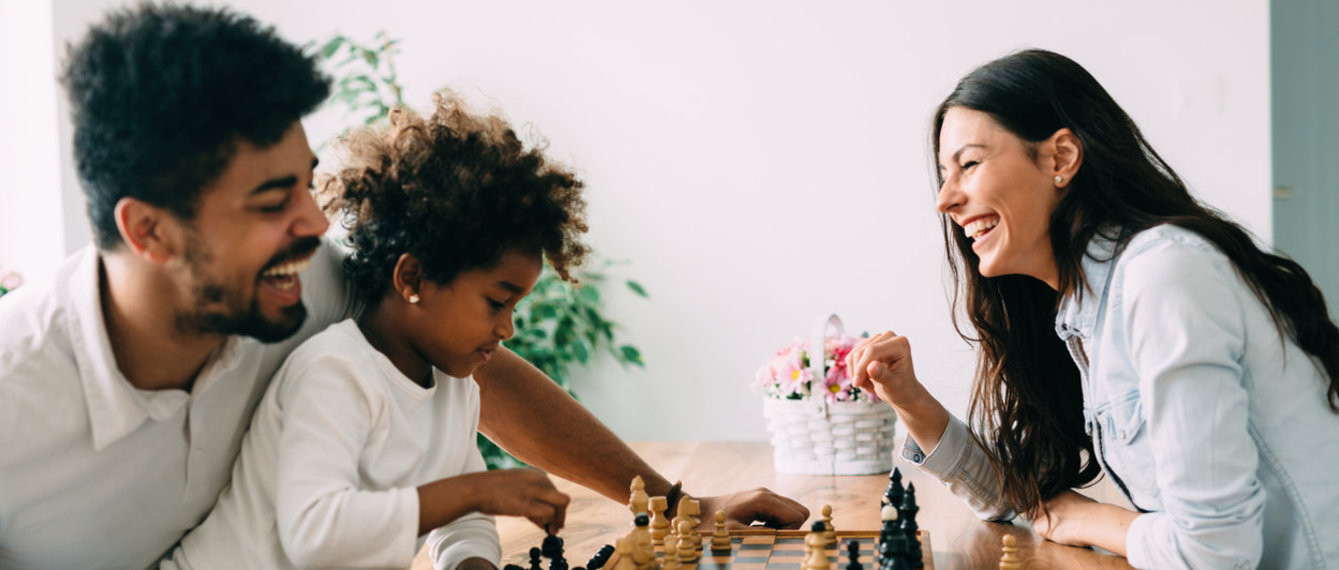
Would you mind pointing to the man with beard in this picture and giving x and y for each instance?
(126, 387)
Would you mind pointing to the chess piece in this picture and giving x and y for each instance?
(660, 526)
(639, 499)
(601, 557)
(512, 567)
(910, 528)
(623, 548)
(688, 511)
(688, 552)
(893, 496)
(853, 555)
(830, 533)
(1010, 560)
(535, 553)
(892, 541)
(552, 547)
(816, 544)
(643, 551)
(720, 538)
(671, 560)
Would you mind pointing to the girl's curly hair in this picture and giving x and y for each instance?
(454, 190)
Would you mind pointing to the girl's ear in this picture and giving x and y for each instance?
(407, 276)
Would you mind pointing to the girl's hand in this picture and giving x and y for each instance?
(883, 363)
(519, 493)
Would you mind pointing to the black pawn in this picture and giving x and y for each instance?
(535, 553)
(853, 555)
(909, 528)
(552, 547)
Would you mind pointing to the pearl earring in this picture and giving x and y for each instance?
(413, 298)
(1059, 179)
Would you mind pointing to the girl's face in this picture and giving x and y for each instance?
(999, 195)
(466, 320)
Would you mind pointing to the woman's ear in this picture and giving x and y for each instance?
(407, 277)
(1066, 156)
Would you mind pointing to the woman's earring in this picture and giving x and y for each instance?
(413, 298)
(1059, 179)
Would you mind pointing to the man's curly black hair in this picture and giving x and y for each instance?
(456, 191)
(161, 94)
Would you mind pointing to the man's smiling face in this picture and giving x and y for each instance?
(255, 227)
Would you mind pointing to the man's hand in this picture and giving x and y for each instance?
(744, 508)
(1075, 520)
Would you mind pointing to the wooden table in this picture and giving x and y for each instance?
(959, 539)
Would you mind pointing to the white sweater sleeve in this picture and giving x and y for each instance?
(324, 519)
(470, 536)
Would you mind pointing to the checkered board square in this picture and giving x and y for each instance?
(765, 549)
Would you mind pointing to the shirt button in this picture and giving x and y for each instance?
(917, 457)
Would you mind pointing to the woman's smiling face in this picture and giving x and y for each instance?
(1000, 191)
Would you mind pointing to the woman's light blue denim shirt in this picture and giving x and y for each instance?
(1211, 423)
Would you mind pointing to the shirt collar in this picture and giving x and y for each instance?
(115, 406)
(1079, 311)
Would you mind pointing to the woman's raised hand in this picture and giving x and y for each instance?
(883, 363)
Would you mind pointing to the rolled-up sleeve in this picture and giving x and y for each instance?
(471, 536)
(1184, 319)
(964, 468)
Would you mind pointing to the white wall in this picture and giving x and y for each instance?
(763, 164)
(30, 202)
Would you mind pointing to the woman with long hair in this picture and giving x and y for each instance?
(1122, 327)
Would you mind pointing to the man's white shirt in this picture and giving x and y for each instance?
(95, 472)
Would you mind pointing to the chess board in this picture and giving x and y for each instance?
(766, 549)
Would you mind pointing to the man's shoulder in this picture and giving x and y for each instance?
(34, 321)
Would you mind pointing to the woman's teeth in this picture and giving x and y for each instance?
(978, 227)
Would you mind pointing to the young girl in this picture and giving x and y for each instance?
(365, 440)
(1123, 327)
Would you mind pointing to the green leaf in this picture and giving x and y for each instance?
(632, 355)
(581, 352)
(638, 289)
(331, 46)
(371, 57)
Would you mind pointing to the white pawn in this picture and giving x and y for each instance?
(671, 561)
(688, 547)
(1010, 560)
(831, 533)
(720, 538)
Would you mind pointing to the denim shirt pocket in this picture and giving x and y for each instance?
(1124, 445)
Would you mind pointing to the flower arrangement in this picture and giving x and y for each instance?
(9, 281)
(787, 376)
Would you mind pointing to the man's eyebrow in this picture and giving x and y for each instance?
(508, 285)
(283, 182)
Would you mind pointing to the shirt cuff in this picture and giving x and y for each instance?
(1136, 541)
(946, 455)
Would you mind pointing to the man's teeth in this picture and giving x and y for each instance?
(978, 227)
(290, 268)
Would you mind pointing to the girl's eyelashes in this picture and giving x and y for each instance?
(495, 305)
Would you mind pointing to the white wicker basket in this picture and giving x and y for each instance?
(815, 437)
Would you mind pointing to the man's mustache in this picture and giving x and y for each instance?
(300, 248)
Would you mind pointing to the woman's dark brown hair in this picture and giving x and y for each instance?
(1027, 404)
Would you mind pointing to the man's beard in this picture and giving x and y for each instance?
(218, 310)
